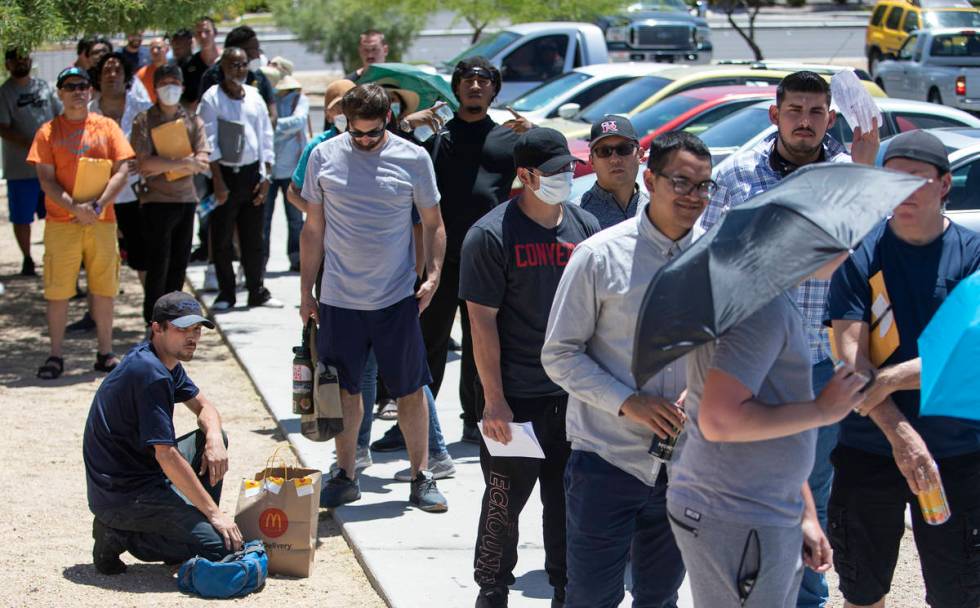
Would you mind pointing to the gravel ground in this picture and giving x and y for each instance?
(47, 536)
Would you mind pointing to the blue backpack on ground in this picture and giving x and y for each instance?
(238, 574)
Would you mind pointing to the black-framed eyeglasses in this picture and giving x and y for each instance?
(76, 86)
(372, 133)
(626, 148)
(683, 186)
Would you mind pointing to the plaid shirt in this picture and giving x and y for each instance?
(742, 176)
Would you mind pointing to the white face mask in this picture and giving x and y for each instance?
(340, 123)
(396, 109)
(255, 64)
(554, 189)
(169, 95)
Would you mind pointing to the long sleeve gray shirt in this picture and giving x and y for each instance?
(588, 346)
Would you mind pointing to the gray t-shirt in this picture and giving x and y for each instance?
(25, 109)
(757, 482)
(367, 198)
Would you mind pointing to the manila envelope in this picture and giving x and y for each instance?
(171, 141)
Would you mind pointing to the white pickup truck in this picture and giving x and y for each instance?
(939, 65)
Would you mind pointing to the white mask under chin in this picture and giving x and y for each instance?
(169, 95)
(340, 123)
(554, 189)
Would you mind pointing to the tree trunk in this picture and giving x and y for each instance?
(748, 37)
(477, 32)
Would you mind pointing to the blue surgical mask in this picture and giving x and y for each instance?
(396, 109)
(340, 123)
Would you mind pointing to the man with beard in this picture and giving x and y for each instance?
(242, 176)
(802, 115)
(474, 163)
(152, 493)
(244, 38)
(26, 103)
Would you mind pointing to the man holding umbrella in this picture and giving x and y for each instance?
(879, 302)
(802, 115)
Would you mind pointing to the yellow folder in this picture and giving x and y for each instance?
(171, 141)
(883, 333)
(91, 178)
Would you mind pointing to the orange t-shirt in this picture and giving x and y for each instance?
(61, 142)
(145, 74)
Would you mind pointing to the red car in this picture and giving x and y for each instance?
(693, 111)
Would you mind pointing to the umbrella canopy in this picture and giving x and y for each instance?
(950, 348)
(757, 251)
(430, 88)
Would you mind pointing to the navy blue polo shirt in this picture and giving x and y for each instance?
(131, 412)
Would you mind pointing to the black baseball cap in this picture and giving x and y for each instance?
(918, 145)
(543, 149)
(609, 125)
(70, 72)
(181, 309)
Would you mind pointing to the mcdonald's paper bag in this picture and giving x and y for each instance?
(280, 506)
(327, 419)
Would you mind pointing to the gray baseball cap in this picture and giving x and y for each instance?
(181, 309)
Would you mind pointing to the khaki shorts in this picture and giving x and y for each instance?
(67, 245)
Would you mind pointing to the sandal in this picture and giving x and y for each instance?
(102, 362)
(52, 368)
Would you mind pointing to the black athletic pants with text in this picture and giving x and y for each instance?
(509, 483)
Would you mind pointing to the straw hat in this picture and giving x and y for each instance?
(285, 66)
(410, 98)
(335, 91)
(272, 74)
(288, 83)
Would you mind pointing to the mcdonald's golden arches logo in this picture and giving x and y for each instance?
(273, 522)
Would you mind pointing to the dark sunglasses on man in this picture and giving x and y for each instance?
(373, 133)
(76, 86)
(623, 149)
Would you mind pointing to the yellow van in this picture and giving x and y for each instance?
(893, 20)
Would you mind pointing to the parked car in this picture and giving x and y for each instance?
(527, 54)
(900, 115)
(662, 30)
(941, 66)
(692, 111)
(893, 20)
(569, 92)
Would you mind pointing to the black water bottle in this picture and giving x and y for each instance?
(303, 376)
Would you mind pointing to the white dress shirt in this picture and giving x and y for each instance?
(252, 112)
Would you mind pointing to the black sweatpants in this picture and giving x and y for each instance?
(168, 230)
(129, 220)
(437, 323)
(509, 483)
(238, 211)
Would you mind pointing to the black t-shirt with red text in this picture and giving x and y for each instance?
(512, 263)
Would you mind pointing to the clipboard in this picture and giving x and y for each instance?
(231, 140)
(172, 142)
(91, 178)
(883, 335)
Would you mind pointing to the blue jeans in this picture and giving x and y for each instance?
(369, 391)
(294, 220)
(813, 590)
(612, 516)
(161, 525)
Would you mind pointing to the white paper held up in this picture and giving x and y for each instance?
(523, 442)
(853, 101)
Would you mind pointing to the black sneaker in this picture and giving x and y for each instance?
(492, 597)
(86, 323)
(471, 434)
(339, 490)
(263, 298)
(27, 268)
(107, 549)
(391, 441)
(425, 495)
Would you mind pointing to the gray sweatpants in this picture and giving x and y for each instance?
(717, 553)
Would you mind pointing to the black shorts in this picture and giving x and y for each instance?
(394, 332)
(866, 521)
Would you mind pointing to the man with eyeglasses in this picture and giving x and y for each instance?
(802, 116)
(615, 155)
(243, 37)
(615, 490)
(512, 260)
(360, 188)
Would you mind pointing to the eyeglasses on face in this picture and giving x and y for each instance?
(76, 86)
(373, 133)
(623, 149)
(683, 186)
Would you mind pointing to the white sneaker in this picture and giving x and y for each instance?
(440, 468)
(362, 461)
(210, 279)
(240, 276)
(221, 306)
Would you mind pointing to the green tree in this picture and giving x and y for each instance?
(751, 9)
(332, 26)
(478, 14)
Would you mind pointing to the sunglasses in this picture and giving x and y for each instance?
(76, 86)
(623, 149)
(372, 133)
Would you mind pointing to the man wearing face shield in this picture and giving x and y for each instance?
(26, 103)
(512, 260)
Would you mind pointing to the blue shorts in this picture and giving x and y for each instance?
(394, 332)
(25, 200)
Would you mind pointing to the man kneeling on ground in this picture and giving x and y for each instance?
(153, 494)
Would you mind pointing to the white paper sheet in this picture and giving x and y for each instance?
(850, 98)
(523, 442)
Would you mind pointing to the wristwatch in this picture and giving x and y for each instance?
(404, 126)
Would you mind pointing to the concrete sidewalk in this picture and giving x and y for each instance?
(415, 559)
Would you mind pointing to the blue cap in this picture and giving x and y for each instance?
(72, 71)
